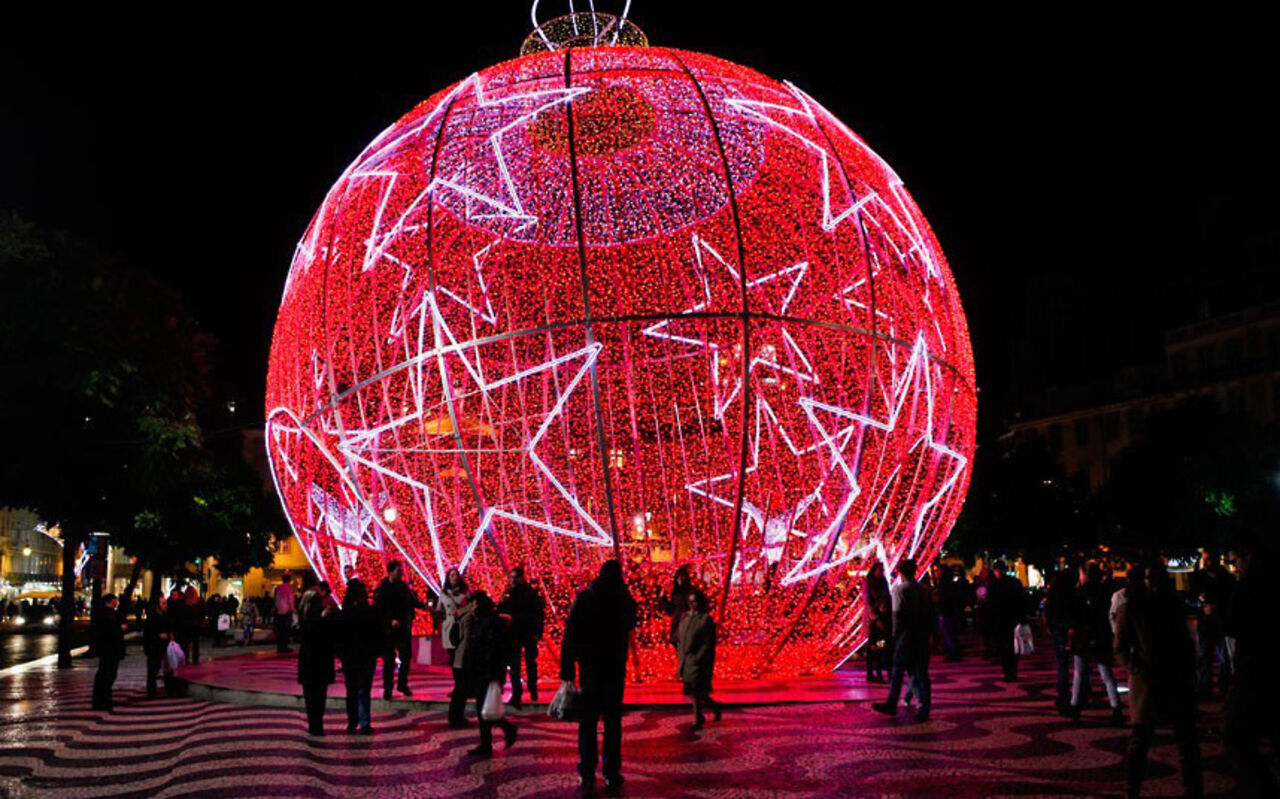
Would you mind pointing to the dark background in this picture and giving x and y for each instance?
(1094, 176)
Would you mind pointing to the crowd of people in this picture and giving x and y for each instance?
(1216, 640)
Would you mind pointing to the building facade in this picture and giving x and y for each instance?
(1233, 359)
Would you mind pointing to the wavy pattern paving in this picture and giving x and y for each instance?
(986, 739)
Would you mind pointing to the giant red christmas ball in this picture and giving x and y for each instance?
(626, 302)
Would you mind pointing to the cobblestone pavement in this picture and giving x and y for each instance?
(986, 738)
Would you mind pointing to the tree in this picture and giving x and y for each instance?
(109, 378)
(1183, 483)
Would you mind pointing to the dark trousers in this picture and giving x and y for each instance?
(283, 622)
(458, 698)
(1008, 655)
(103, 681)
(600, 705)
(359, 691)
(191, 646)
(399, 642)
(1062, 658)
(155, 659)
(911, 659)
(1211, 655)
(1188, 749)
(1250, 717)
(947, 626)
(315, 695)
(530, 650)
(486, 727)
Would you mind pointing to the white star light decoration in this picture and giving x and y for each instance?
(801, 369)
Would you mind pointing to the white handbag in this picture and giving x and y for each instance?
(174, 657)
(493, 709)
(1023, 642)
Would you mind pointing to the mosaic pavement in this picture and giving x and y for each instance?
(986, 738)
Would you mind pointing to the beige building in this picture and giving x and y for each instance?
(28, 557)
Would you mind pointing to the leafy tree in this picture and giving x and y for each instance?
(1183, 483)
(108, 378)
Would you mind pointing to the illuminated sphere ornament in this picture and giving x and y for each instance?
(625, 301)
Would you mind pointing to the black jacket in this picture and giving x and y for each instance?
(1091, 634)
(316, 650)
(108, 635)
(1006, 602)
(361, 640)
(596, 636)
(526, 608)
(483, 652)
(154, 629)
(396, 601)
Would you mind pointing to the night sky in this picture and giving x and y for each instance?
(1093, 178)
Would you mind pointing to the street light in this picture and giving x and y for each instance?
(26, 552)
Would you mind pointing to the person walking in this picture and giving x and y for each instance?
(950, 605)
(597, 635)
(1091, 637)
(697, 657)
(192, 620)
(877, 613)
(483, 657)
(1212, 585)
(285, 601)
(1006, 608)
(316, 653)
(361, 643)
(1153, 644)
(1252, 708)
(1058, 612)
(452, 603)
(675, 603)
(249, 621)
(527, 610)
(914, 620)
(213, 612)
(156, 634)
(108, 642)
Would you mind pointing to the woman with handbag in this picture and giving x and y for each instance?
(697, 653)
(453, 603)
(482, 655)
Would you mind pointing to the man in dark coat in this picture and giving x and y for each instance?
(108, 642)
(156, 633)
(396, 604)
(1058, 612)
(597, 635)
(1212, 585)
(1152, 642)
(527, 610)
(1253, 702)
(914, 621)
(1006, 609)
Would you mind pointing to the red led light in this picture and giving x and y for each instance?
(632, 302)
